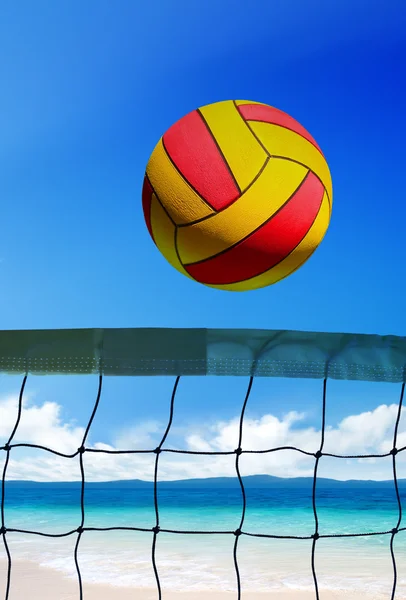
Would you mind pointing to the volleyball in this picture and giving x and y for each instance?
(237, 195)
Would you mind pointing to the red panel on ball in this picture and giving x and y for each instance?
(147, 192)
(269, 114)
(268, 245)
(193, 150)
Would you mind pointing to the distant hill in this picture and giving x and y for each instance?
(250, 481)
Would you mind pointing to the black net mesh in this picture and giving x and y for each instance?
(155, 528)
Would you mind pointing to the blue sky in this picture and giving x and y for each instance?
(88, 89)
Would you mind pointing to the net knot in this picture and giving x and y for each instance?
(157, 450)
(82, 450)
(237, 532)
(3, 530)
(238, 451)
(318, 454)
(394, 451)
(6, 447)
(395, 530)
(315, 536)
(156, 529)
(80, 529)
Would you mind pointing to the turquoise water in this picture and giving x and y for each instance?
(205, 561)
(268, 511)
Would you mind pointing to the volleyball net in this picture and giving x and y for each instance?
(182, 353)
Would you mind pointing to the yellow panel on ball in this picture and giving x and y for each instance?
(237, 195)
(164, 233)
(283, 142)
(243, 153)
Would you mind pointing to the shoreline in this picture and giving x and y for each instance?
(29, 580)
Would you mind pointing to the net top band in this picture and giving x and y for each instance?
(221, 352)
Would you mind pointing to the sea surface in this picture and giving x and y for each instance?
(203, 560)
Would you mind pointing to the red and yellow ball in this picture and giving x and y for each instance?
(237, 195)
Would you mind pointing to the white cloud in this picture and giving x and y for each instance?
(366, 433)
(39, 424)
(369, 432)
(140, 436)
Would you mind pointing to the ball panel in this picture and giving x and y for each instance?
(164, 234)
(242, 152)
(276, 184)
(269, 114)
(268, 245)
(284, 143)
(182, 203)
(195, 153)
(146, 203)
(292, 262)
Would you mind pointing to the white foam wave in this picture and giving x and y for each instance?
(125, 562)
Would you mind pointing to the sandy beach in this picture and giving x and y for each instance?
(30, 581)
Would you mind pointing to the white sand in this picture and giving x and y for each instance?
(31, 582)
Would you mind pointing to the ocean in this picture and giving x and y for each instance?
(204, 561)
